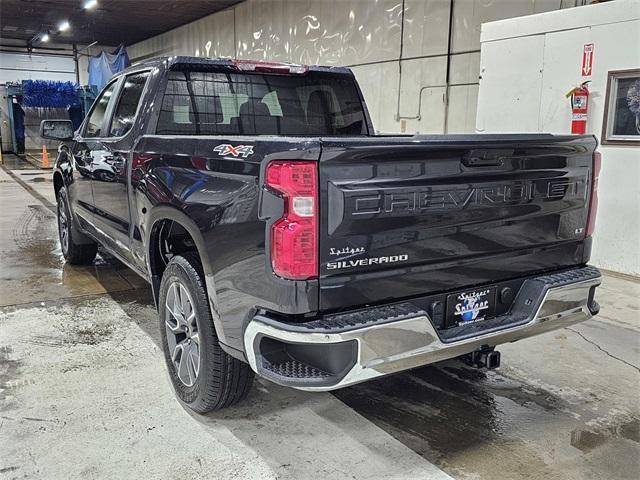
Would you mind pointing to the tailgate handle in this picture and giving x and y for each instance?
(476, 158)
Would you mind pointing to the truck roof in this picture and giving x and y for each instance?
(233, 63)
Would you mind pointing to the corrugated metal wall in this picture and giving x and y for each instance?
(377, 38)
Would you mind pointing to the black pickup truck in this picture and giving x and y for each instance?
(281, 236)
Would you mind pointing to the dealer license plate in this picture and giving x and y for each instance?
(470, 306)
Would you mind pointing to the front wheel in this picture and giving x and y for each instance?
(76, 249)
(203, 375)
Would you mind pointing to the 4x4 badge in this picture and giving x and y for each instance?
(224, 149)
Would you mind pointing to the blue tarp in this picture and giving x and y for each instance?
(103, 66)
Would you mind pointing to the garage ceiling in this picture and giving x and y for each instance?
(112, 22)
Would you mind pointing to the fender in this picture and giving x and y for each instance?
(63, 166)
(168, 212)
(64, 169)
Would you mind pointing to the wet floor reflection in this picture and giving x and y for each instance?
(15, 162)
(433, 410)
(485, 422)
(36, 271)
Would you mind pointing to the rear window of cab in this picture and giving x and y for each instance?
(213, 103)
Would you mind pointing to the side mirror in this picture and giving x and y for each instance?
(56, 129)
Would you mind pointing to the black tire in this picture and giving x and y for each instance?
(220, 380)
(77, 249)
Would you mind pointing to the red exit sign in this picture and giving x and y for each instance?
(587, 60)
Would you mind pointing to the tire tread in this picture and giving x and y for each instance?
(228, 380)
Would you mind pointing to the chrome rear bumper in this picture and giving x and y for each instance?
(336, 352)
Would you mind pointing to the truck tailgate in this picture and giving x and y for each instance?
(407, 216)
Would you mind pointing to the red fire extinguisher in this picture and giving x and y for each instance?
(579, 108)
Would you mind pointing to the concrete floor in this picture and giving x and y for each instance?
(84, 393)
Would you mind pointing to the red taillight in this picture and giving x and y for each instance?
(294, 237)
(593, 203)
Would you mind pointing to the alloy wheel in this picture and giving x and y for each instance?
(183, 336)
(63, 226)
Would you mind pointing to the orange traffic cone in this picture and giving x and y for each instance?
(45, 157)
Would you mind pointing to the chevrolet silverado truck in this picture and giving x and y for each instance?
(282, 237)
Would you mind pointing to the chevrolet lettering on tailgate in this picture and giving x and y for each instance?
(399, 200)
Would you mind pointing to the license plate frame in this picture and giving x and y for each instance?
(470, 306)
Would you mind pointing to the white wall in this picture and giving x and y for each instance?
(366, 35)
(15, 67)
(529, 64)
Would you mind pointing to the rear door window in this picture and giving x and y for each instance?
(127, 107)
(211, 103)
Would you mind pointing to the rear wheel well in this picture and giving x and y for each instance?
(168, 239)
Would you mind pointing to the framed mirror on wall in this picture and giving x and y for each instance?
(621, 123)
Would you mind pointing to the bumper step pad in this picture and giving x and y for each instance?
(342, 322)
(294, 369)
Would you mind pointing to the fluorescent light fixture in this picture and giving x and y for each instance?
(89, 4)
(44, 37)
(64, 26)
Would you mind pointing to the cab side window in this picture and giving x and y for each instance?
(96, 118)
(127, 107)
